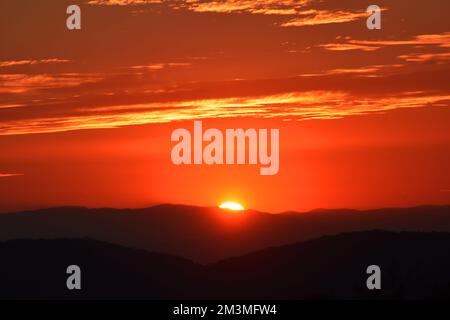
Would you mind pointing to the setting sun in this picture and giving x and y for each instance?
(232, 206)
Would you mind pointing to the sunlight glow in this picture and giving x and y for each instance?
(231, 206)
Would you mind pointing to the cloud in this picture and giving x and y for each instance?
(161, 66)
(5, 106)
(296, 105)
(12, 63)
(6, 175)
(268, 7)
(347, 47)
(22, 83)
(425, 57)
(121, 2)
(318, 17)
(303, 14)
(368, 71)
(441, 40)
(300, 10)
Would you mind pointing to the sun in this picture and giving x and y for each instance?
(234, 206)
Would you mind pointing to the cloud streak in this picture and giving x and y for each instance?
(121, 2)
(22, 83)
(13, 63)
(441, 40)
(268, 7)
(293, 106)
(7, 175)
(425, 57)
(314, 17)
(302, 12)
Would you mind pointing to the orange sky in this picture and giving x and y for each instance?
(86, 116)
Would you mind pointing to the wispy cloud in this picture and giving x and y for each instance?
(368, 71)
(318, 17)
(6, 106)
(6, 175)
(12, 63)
(268, 7)
(302, 12)
(440, 40)
(21, 83)
(425, 57)
(347, 47)
(294, 105)
(160, 66)
(122, 2)
(436, 40)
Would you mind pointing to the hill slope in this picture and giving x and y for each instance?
(413, 265)
(208, 234)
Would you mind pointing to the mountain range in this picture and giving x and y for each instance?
(413, 266)
(207, 235)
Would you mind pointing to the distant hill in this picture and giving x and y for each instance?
(33, 269)
(209, 234)
(413, 265)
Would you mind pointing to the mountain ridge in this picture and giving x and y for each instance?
(210, 234)
(414, 265)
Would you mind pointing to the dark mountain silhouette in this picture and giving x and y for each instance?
(210, 234)
(413, 265)
(36, 269)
